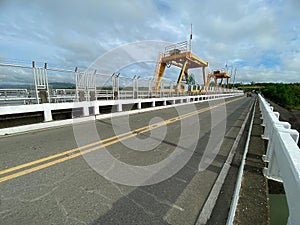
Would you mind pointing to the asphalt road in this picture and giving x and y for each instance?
(126, 172)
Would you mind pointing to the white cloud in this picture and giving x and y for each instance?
(292, 62)
(238, 33)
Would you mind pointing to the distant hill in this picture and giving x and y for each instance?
(54, 85)
(15, 86)
(62, 85)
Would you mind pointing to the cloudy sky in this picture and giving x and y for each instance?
(261, 38)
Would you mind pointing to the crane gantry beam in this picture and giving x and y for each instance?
(178, 55)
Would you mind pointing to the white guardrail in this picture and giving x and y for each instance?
(47, 108)
(89, 110)
(283, 157)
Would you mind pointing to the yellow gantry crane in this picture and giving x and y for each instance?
(218, 75)
(180, 56)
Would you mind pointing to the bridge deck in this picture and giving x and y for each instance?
(64, 188)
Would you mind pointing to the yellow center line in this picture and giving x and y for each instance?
(66, 152)
(51, 163)
(104, 143)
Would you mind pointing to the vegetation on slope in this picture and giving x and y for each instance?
(285, 95)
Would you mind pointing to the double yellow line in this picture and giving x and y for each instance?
(42, 163)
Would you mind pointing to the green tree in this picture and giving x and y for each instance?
(286, 95)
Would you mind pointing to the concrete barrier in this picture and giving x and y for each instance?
(85, 106)
(76, 110)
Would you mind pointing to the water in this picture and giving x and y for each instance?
(279, 212)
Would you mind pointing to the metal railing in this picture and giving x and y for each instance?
(283, 157)
(177, 48)
(38, 85)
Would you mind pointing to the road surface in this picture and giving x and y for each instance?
(47, 179)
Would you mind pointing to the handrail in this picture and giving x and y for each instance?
(177, 48)
(283, 155)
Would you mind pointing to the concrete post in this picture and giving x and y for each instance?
(96, 110)
(119, 108)
(86, 111)
(47, 115)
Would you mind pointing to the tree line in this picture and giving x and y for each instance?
(285, 95)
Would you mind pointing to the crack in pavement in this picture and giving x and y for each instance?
(97, 192)
(66, 214)
(5, 213)
(148, 212)
(39, 197)
(162, 201)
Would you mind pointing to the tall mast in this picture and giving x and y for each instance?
(191, 37)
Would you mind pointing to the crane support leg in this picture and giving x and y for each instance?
(221, 83)
(161, 71)
(181, 74)
(186, 74)
(204, 77)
